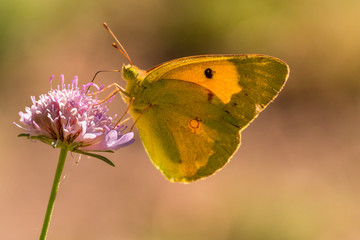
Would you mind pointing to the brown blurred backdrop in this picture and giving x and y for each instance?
(296, 175)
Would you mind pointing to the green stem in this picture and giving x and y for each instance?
(54, 189)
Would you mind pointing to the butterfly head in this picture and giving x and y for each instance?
(131, 73)
(133, 76)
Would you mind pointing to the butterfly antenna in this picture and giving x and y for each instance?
(120, 47)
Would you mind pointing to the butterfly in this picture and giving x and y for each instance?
(190, 111)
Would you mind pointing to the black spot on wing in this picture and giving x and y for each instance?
(209, 73)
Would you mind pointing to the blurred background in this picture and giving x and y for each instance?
(296, 175)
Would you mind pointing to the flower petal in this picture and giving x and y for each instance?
(69, 115)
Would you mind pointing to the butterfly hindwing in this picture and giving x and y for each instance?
(187, 134)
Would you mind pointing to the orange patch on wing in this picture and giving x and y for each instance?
(221, 78)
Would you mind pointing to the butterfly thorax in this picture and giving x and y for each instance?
(135, 87)
(134, 78)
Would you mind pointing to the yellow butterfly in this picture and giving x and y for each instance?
(190, 111)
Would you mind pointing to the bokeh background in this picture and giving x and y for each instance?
(296, 175)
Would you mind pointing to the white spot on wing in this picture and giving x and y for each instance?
(258, 108)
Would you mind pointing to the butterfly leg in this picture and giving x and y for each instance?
(118, 89)
(101, 71)
(126, 111)
(137, 119)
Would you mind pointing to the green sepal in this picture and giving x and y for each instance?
(41, 138)
(97, 156)
(23, 135)
(70, 147)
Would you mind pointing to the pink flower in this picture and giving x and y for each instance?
(71, 117)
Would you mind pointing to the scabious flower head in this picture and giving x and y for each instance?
(70, 117)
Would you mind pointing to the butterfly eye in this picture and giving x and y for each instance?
(208, 73)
